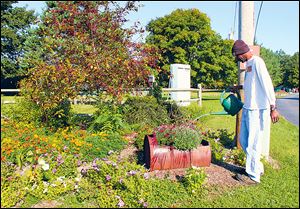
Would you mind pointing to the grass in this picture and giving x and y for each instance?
(83, 109)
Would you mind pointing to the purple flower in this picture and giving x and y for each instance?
(94, 161)
(146, 175)
(83, 171)
(59, 157)
(79, 162)
(121, 181)
(110, 152)
(94, 164)
(54, 170)
(145, 204)
(59, 160)
(131, 173)
(121, 203)
(65, 147)
(108, 177)
(108, 162)
(104, 159)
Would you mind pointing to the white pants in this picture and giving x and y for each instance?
(255, 139)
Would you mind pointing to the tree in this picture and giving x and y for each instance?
(186, 37)
(15, 23)
(272, 61)
(84, 47)
(291, 71)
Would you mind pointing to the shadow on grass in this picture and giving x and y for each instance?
(210, 98)
(231, 167)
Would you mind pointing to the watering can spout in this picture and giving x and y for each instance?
(231, 104)
(219, 113)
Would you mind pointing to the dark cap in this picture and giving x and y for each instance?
(239, 47)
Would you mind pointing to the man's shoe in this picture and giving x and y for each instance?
(245, 179)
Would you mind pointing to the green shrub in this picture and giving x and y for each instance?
(23, 111)
(174, 112)
(81, 120)
(107, 118)
(145, 111)
(58, 116)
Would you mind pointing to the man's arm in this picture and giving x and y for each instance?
(268, 87)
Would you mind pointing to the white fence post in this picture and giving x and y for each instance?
(199, 94)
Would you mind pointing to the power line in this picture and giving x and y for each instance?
(236, 3)
(257, 21)
(231, 35)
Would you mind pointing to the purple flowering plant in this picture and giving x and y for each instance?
(182, 137)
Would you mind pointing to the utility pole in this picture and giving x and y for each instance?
(245, 33)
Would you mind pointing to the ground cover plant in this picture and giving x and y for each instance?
(76, 168)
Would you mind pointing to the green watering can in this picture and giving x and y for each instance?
(231, 104)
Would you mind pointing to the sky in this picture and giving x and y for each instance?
(277, 24)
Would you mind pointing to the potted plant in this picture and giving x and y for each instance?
(176, 146)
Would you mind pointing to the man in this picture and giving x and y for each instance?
(259, 107)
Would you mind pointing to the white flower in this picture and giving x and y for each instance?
(46, 184)
(34, 186)
(61, 178)
(42, 162)
(45, 167)
(45, 190)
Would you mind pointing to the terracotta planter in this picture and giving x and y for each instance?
(166, 157)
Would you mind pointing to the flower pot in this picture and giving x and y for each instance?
(167, 157)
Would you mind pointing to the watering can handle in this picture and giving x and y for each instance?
(226, 90)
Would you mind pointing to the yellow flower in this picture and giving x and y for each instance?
(35, 136)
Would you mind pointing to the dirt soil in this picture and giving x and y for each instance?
(217, 174)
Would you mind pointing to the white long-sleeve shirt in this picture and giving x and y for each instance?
(258, 88)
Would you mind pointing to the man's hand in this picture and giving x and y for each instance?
(274, 116)
(235, 88)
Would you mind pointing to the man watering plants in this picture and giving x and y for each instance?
(258, 110)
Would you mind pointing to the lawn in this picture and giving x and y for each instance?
(278, 188)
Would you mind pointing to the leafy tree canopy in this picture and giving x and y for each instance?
(272, 61)
(84, 47)
(15, 22)
(186, 37)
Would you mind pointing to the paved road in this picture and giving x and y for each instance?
(288, 107)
